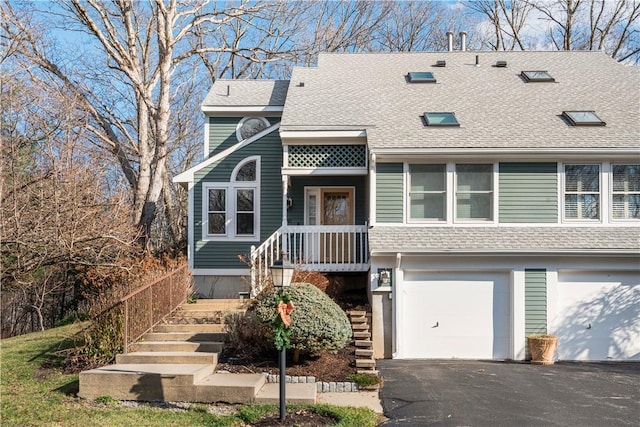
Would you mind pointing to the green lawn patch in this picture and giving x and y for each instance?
(34, 392)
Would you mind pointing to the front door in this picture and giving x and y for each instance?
(336, 207)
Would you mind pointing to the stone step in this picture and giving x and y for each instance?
(166, 357)
(185, 336)
(356, 313)
(360, 326)
(206, 346)
(363, 343)
(146, 382)
(358, 320)
(197, 328)
(361, 352)
(229, 388)
(294, 393)
(361, 334)
(365, 363)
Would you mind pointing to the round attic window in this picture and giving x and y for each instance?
(249, 126)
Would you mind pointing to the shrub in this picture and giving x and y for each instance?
(317, 322)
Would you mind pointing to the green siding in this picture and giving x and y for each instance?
(535, 302)
(222, 132)
(528, 192)
(224, 254)
(295, 214)
(389, 192)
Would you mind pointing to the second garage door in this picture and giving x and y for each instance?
(455, 315)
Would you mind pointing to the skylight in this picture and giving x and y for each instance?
(537, 76)
(583, 118)
(421, 77)
(441, 119)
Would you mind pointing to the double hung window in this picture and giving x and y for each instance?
(582, 192)
(232, 208)
(474, 192)
(625, 203)
(428, 192)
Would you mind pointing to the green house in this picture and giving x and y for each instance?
(482, 196)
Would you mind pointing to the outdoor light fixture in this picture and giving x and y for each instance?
(282, 274)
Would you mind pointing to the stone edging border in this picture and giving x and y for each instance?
(321, 386)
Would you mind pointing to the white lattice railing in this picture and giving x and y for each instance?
(324, 248)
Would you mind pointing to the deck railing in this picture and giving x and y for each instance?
(323, 248)
(148, 305)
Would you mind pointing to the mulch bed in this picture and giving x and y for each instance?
(323, 366)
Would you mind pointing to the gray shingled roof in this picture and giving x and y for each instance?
(247, 93)
(495, 107)
(391, 239)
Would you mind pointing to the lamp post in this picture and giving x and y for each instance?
(282, 274)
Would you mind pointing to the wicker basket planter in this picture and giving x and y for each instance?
(542, 348)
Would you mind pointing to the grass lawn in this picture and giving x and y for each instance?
(31, 395)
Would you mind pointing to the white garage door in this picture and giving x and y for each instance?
(598, 316)
(455, 315)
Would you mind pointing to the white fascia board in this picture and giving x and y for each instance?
(324, 171)
(528, 252)
(507, 153)
(188, 175)
(322, 134)
(243, 109)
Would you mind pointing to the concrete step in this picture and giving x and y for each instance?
(363, 343)
(196, 328)
(166, 357)
(294, 393)
(362, 352)
(224, 303)
(230, 388)
(185, 336)
(206, 346)
(217, 316)
(356, 313)
(358, 320)
(368, 371)
(365, 363)
(360, 326)
(361, 334)
(147, 382)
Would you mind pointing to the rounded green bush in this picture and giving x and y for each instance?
(317, 323)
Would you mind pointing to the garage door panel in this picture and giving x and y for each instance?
(455, 315)
(598, 316)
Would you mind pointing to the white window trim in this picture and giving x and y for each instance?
(603, 212)
(610, 187)
(244, 119)
(230, 201)
(450, 200)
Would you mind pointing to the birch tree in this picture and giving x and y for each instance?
(140, 48)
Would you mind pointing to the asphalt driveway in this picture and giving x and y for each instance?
(485, 393)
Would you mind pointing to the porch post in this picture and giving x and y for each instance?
(285, 236)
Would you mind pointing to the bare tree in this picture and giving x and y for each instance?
(142, 48)
(610, 25)
(507, 21)
(56, 213)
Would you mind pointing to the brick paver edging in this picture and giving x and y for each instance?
(322, 386)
